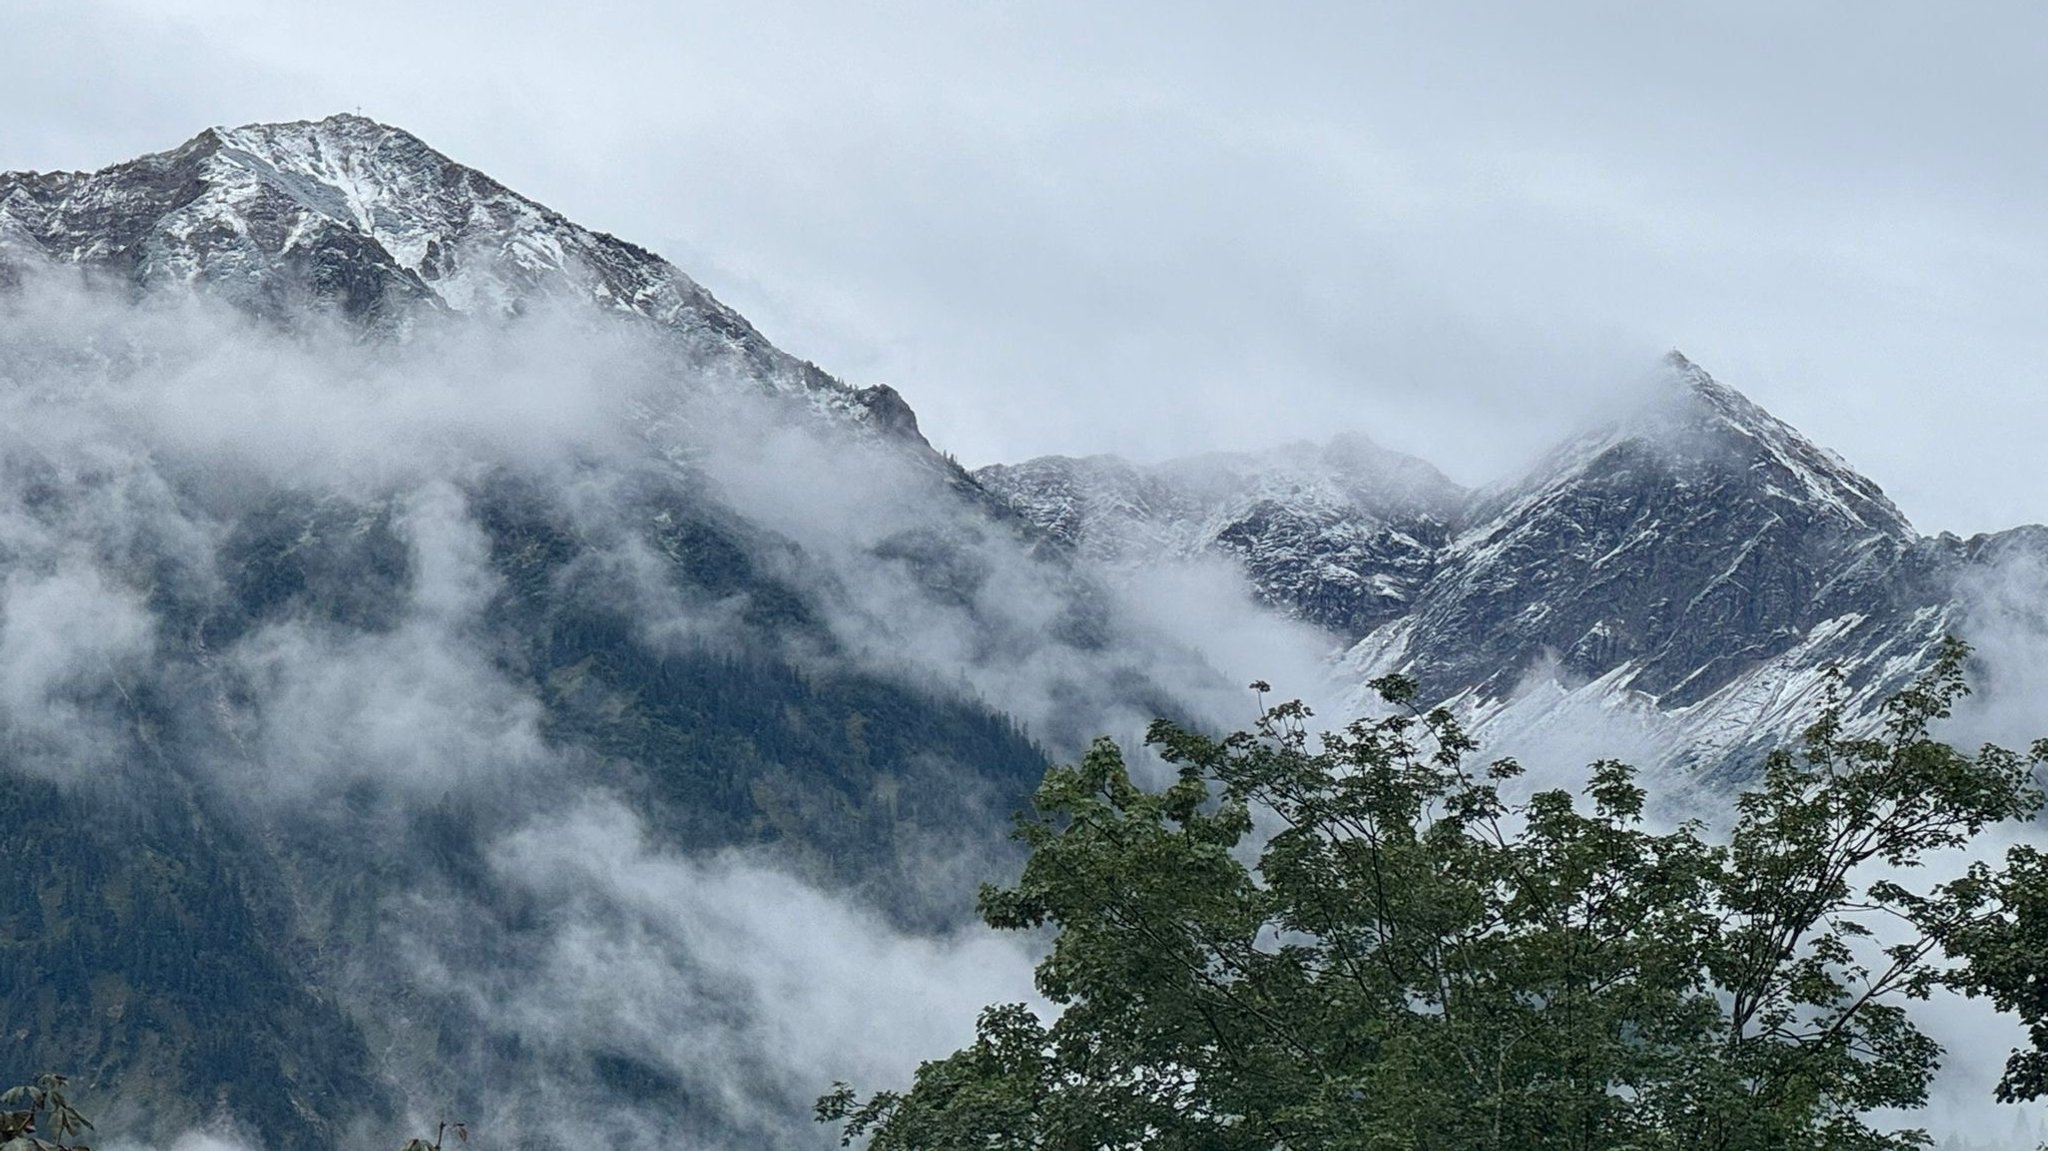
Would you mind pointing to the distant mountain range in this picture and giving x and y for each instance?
(1696, 563)
(295, 887)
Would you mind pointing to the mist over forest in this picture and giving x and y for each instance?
(454, 666)
(437, 639)
(459, 650)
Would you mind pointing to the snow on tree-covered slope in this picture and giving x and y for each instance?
(1342, 535)
(355, 215)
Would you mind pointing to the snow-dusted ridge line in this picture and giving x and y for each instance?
(1689, 570)
(369, 218)
(1341, 533)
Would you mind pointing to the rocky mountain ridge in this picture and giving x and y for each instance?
(358, 217)
(1696, 564)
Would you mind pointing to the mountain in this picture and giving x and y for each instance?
(1695, 565)
(378, 550)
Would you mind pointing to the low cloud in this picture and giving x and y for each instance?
(140, 439)
(719, 979)
(69, 639)
(285, 541)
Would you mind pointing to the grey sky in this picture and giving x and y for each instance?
(1160, 228)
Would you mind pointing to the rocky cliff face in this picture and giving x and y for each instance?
(1695, 539)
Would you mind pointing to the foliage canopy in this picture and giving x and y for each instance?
(1356, 940)
(39, 1109)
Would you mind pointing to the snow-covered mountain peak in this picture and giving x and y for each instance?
(1691, 430)
(367, 219)
(385, 181)
(274, 202)
(474, 244)
(1678, 548)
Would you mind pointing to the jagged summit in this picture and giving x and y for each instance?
(1691, 428)
(270, 193)
(1688, 540)
(1820, 474)
(368, 219)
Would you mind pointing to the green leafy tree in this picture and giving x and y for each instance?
(2005, 958)
(1353, 940)
(39, 1116)
(441, 1131)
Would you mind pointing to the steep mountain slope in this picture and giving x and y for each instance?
(317, 631)
(1696, 538)
(1699, 558)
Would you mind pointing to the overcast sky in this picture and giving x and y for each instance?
(1161, 228)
